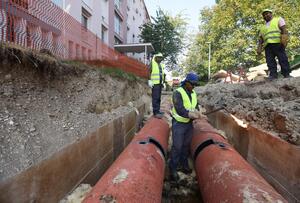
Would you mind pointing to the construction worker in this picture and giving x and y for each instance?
(185, 109)
(157, 78)
(274, 37)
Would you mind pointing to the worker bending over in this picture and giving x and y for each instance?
(185, 109)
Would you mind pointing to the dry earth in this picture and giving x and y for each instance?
(47, 104)
(272, 105)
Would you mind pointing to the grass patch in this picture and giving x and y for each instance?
(73, 63)
(115, 72)
(112, 71)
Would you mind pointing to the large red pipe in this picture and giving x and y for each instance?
(222, 174)
(137, 175)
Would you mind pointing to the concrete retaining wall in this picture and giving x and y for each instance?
(81, 162)
(275, 159)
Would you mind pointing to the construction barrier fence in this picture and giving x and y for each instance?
(41, 24)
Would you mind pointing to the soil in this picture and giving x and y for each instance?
(47, 104)
(273, 106)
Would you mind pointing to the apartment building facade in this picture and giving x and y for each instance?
(113, 21)
(72, 30)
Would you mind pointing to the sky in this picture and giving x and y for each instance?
(190, 9)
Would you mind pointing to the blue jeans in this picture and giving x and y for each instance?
(156, 97)
(182, 136)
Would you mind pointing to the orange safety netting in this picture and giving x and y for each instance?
(41, 24)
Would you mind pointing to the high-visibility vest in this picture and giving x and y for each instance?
(272, 33)
(155, 74)
(187, 103)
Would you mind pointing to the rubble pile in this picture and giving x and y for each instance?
(273, 106)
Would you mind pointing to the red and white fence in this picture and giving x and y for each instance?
(41, 24)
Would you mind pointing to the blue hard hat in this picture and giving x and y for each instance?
(193, 78)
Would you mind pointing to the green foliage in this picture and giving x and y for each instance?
(232, 28)
(295, 61)
(118, 73)
(166, 33)
(114, 72)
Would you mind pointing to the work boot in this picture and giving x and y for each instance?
(160, 112)
(158, 115)
(174, 176)
(271, 78)
(186, 170)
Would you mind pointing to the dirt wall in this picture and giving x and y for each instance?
(47, 104)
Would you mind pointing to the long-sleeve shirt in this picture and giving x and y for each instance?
(178, 103)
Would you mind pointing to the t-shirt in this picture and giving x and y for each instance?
(280, 23)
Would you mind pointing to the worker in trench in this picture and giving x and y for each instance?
(157, 78)
(273, 37)
(185, 110)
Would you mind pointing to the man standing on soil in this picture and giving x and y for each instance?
(274, 38)
(157, 78)
(185, 110)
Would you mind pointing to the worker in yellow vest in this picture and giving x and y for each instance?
(274, 39)
(157, 78)
(185, 110)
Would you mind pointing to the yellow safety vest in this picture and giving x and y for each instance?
(187, 103)
(272, 33)
(155, 75)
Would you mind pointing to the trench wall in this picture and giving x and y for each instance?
(275, 159)
(83, 161)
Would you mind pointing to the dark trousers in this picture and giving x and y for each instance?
(156, 97)
(277, 50)
(182, 136)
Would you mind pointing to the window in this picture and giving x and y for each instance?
(118, 4)
(104, 34)
(84, 21)
(118, 22)
(117, 41)
(85, 15)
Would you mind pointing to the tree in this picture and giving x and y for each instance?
(232, 27)
(166, 33)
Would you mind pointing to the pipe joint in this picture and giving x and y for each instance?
(207, 143)
(151, 140)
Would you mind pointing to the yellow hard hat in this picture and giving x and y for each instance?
(159, 55)
(267, 10)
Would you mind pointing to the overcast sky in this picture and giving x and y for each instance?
(190, 9)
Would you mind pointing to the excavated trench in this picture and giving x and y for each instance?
(70, 167)
(264, 151)
(93, 137)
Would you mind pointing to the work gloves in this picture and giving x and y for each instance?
(195, 114)
(150, 84)
(284, 40)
